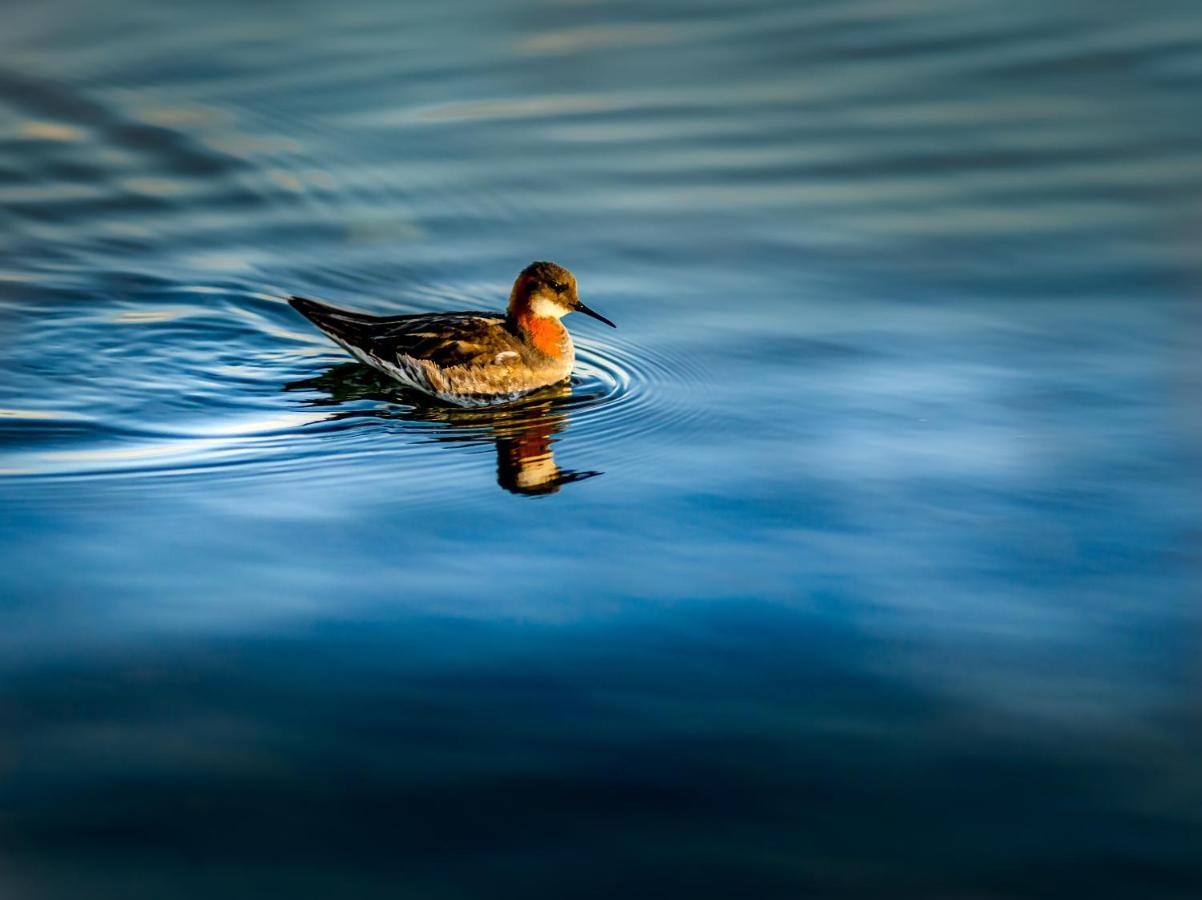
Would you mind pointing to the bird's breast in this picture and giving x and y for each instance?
(546, 334)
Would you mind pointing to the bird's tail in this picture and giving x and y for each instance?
(344, 325)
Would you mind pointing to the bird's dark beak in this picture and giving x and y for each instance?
(580, 307)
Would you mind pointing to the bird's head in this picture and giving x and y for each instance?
(545, 290)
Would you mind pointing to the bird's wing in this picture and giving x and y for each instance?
(443, 339)
(446, 340)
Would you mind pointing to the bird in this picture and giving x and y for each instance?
(468, 358)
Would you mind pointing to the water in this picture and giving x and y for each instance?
(860, 561)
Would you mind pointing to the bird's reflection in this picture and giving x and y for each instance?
(523, 432)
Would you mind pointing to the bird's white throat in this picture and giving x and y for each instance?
(546, 308)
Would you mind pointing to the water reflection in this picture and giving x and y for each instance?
(524, 433)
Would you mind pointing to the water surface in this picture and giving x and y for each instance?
(860, 561)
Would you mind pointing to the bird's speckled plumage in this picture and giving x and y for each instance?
(468, 358)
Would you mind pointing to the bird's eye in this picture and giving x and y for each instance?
(558, 286)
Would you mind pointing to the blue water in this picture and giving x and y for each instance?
(861, 561)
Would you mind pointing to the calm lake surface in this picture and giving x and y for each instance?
(863, 560)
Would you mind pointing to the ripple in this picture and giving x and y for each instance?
(263, 397)
(623, 391)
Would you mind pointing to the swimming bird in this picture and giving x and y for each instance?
(468, 358)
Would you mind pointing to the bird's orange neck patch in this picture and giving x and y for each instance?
(544, 332)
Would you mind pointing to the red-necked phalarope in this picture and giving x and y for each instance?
(469, 358)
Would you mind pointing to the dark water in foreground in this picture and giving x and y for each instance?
(873, 565)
